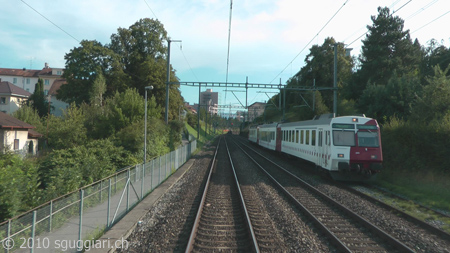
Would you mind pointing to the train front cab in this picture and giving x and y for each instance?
(357, 150)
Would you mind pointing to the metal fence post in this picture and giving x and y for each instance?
(80, 226)
(115, 183)
(101, 189)
(128, 189)
(33, 232)
(8, 233)
(159, 177)
(165, 168)
(142, 180)
(108, 211)
(50, 217)
(151, 175)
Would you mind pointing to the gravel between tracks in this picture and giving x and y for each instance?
(167, 225)
(163, 227)
(415, 237)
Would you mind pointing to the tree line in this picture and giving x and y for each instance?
(403, 84)
(102, 130)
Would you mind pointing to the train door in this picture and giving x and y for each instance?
(278, 139)
(320, 148)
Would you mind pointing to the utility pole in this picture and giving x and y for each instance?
(168, 78)
(198, 110)
(335, 81)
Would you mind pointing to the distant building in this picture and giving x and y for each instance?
(58, 106)
(11, 97)
(255, 110)
(27, 78)
(190, 108)
(17, 136)
(210, 101)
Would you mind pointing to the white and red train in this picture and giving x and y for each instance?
(348, 147)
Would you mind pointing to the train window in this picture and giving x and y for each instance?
(343, 126)
(368, 139)
(313, 137)
(292, 136)
(320, 138)
(296, 136)
(307, 137)
(343, 138)
(301, 136)
(327, 138)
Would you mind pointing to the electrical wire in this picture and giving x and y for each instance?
(182, 52)
(431, 22)
(150, 9)
(228, 53)
(192, 71)
(391, 14)
(51, 21)
(310, 41)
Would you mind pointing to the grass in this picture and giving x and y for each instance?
(430, 189)
(204, 137)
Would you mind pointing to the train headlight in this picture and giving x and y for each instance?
(373, 156)
(340, 155)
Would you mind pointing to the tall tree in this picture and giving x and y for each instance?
(37, 100)
(319, 69)
(435, 54)
(387, 50)
(143, 52)
(83, 65)
(98, 90)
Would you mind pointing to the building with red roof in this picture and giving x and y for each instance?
(27, 78)
(11, 97)
(17, 136)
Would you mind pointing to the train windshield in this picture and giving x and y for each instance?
(368, 139)
(343, 138)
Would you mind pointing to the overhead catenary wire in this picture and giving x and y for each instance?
(57, 26)
(150, 9)
(168, 36)
(310, 41)
(368, 30)
(430, 22)
(228, 53)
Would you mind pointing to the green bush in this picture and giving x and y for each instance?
(66, 170)
(18, 185)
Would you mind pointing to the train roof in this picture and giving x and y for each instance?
(324, 119)
(271, 125)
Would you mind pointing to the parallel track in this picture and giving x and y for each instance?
(439, 232)
(348, 231)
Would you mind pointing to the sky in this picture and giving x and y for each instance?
(268, 43)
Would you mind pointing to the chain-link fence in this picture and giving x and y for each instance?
(66, 223)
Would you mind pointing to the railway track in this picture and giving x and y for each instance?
(223, 222)
(348, 231)
(360, 191)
